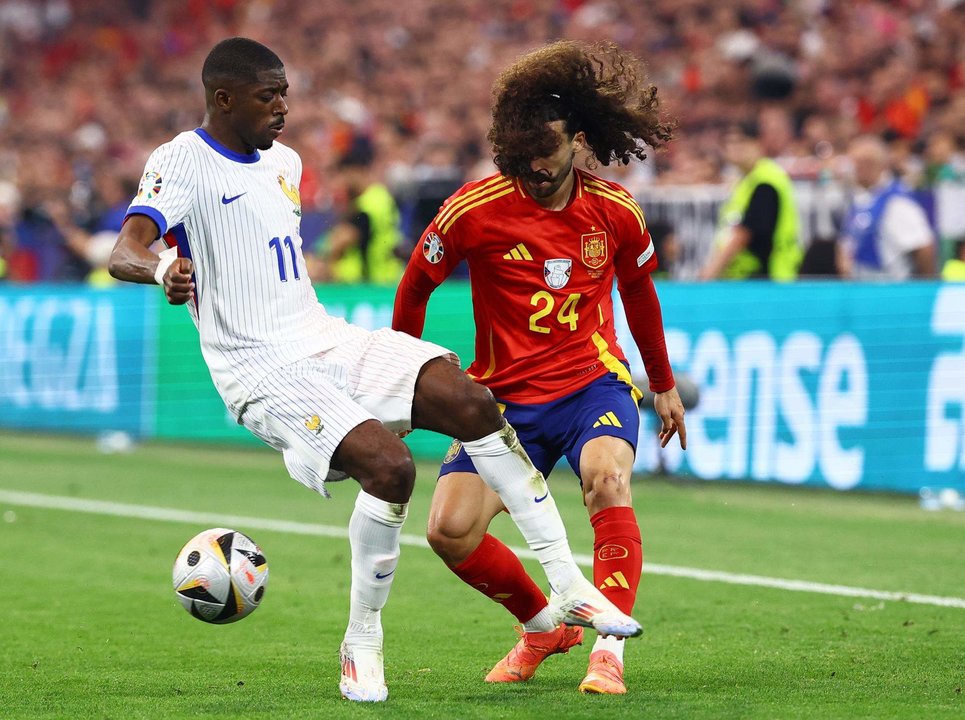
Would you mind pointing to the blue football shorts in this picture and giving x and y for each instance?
(552, 430)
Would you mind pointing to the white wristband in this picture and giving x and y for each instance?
(167, 258)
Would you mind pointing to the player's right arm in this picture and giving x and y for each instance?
(433, 259)
(133, 260)
(164, 198)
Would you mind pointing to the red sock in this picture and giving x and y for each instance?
(617, 555)
(495, 571)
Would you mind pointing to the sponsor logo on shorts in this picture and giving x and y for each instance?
(453, 450)
(314, 423)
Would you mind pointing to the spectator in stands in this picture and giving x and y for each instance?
(387, 68)
(886, 234)
(363, 245)
(757, 234)
(954, 268)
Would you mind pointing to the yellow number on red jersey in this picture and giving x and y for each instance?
(545, 303)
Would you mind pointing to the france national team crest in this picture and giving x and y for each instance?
(150, 186)
(594, 249)
(432, 248)
(557, 272)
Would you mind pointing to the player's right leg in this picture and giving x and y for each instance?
(447, 401)
(322, 432)
(462, 508)
(383, 467)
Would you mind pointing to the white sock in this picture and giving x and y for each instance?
(611, 643)
(506, 468)
(373, 533)
(541, 622)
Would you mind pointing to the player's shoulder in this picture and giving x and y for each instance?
(475, 199)
(612, 196)
(186, 142)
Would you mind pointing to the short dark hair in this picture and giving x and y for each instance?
(237, 60)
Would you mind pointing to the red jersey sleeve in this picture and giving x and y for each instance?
(433, 259)
(635, 260)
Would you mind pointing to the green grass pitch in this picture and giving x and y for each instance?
(91, 627)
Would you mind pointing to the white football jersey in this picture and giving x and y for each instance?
(238, 218)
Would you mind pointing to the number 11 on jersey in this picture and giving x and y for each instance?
(276, 243)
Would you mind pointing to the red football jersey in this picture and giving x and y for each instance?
(541, 281)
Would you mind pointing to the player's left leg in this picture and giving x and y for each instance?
(448, 401)
(606, 463)
(601, 444)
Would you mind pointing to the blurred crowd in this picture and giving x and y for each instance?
(395, 96)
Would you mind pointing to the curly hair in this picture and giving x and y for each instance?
(599, 89)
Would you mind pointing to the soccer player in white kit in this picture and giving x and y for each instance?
(330, 396)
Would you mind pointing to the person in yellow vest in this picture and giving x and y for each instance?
(954, 268)
(361, 247)
(758, 227)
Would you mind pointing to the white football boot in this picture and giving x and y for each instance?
(363, 678)
(582, 604)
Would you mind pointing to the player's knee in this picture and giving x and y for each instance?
(477, 413)
(392, 479)
(607, 489)
(450, 542)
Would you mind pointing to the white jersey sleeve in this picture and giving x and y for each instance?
(166, 193)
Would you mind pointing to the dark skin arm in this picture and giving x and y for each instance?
(133, 261)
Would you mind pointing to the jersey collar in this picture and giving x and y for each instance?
(222, 150)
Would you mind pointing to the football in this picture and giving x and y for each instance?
(220, 576)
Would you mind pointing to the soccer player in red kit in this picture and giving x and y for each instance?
(544, 242)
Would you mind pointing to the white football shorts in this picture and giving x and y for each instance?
(305, 409)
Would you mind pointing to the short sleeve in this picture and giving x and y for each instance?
(167, 188)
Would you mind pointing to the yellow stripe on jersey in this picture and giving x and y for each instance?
(629, 204)
(492, 358)
(445, 228)
(604, 185)
(458, 206)
(475, 192)
(524, 252)
(611, 363)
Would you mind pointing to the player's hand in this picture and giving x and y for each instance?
(178, 285)
(671, 413)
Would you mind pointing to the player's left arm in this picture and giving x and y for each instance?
(634, 262)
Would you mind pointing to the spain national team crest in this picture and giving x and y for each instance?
(150, 186)
(432, 248)
(557, 272)
(594, 249)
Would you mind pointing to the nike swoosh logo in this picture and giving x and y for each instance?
(227, 200)
(541, 499)
(380, 576)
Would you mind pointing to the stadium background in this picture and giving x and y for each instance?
(760, 600)
(822, 382)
